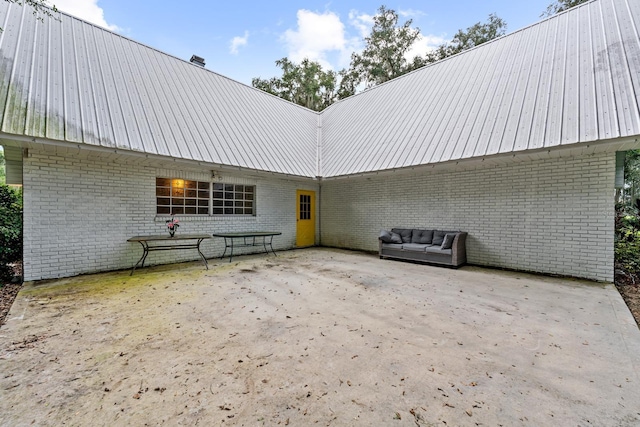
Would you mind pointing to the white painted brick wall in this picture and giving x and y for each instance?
(80, 210)
(551, 216)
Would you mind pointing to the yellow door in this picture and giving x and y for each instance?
(306, 218)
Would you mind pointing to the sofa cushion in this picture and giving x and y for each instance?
(395, 238)
(422, 236)
(435, 249)
(448, 240)
(405, 233)
(438, 236)
(385, 236)
(416, 247)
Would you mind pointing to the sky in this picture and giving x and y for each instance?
(243, 39)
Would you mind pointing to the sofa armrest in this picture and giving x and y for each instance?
(459, 249)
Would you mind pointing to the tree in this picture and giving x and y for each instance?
(473, 36)
(560, 6)
(305, 84)
(632, 175)
(40, 7)
(384, 55)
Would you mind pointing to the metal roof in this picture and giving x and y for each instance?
(570, 79)
(67, 80)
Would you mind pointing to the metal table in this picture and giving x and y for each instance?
(168, 243)
(248, 239)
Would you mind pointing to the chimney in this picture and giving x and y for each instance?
(197, 60)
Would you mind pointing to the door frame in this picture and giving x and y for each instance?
(311, 222)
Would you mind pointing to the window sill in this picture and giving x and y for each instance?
(205, 218)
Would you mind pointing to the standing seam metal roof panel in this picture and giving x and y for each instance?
(35, 97)
(632, 46)
(106, 115)
(160, 122)
(628, 116)
(71, 82)
(87, 105)
(571, 78)
(94, 87)
(604, 87)
(16, 104)
(475, 101)
(588, 128)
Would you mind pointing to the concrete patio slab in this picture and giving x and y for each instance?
(319, 336)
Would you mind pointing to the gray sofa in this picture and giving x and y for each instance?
(428, 246)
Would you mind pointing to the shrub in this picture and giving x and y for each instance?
(10, 230)
(627, 238)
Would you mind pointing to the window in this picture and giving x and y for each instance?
(181, 196)
(231, 199)
(305, 206)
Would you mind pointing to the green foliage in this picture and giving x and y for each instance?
(560, 6)
(383, 58)
(384, 55)
(632, 175)
(627, 237)
(10, 230)
(40, 7)
(305, 84)
(3, 170)
(475, 35)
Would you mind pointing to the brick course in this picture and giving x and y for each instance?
(550, 216)
(79, 210)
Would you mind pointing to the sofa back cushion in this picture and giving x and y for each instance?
(438, 236)
(385, 236)
(448, 240)
(405, 234)
(423, 237)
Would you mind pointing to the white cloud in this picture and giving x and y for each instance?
(87, 10)
(322, 37)
(317, 34)
(237, 42)
(411, 13)
(422, 45)
(362, 22)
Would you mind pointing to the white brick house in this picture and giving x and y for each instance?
(514, 142)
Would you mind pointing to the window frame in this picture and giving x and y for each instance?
(223, 199)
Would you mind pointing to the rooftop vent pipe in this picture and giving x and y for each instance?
(197, 60)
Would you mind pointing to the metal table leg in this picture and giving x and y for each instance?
(206, 264)
(271, 246)
(226, 245)
(143, 258)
